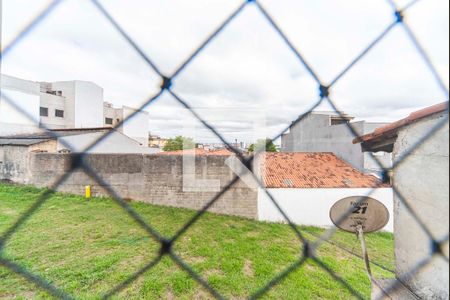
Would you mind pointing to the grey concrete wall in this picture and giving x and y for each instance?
(14, 163)
(315, 134)
(372, 162)
(148, 178)
(423, 179)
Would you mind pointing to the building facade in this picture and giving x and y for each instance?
(329, 132)
(156, 141)
(65, 105)
(21, 116)
(71, 104)
(136, 127)
(421, 176)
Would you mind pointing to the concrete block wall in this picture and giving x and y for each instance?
(423, 179)
(14, 163)
(149, 178)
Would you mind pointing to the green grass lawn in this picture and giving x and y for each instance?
(87, 247)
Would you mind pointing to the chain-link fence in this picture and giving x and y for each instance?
(167, 244)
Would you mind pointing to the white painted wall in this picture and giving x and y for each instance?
(68, 89)
(88, 105)
(83, 104)
(311, 207)
(138, 126)
(423, 180)
(25, 95)
(53, 103)
(116, 143)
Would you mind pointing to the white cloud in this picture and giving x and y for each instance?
(247, 66)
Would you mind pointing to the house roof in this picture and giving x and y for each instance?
(30, 139)
(21, 142)
(199, 152)
(313, 170)
(385, 136)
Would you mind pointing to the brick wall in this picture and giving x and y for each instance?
(148, 178)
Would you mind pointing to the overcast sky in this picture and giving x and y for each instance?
(247, 73)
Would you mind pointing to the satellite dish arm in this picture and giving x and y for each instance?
(360, 233)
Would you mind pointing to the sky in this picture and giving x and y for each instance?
(246, 82)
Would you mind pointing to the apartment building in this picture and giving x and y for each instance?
(71, 104)
(329, 132)
(136, 127)
(19, 116)
(64, 105)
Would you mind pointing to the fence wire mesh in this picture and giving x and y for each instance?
(310, 248)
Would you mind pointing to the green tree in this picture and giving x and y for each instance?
(179, 143)
(261, 145)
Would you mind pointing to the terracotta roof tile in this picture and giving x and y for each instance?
(313, 170)
(414, 117)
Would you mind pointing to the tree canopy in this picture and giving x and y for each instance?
(262, 144)
(179, 143)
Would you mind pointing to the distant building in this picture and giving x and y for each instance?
(329, 132)
(199, 152)
(422, 177)
(157, 142)
(11, 120)
(71, 104)
(136, 127)
(65, 105)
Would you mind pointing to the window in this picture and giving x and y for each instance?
(55, 93)
(108, 121)
(59, 113)
(43, 112)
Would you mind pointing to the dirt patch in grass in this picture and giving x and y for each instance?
(169, 295)
(248, 268)
(195, 259)
(213, 272)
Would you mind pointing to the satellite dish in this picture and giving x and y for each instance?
(349, 213)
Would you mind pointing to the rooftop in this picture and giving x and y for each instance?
(40, 137)
(384, 137)
(313, 170)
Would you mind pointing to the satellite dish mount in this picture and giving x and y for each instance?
(360, 215)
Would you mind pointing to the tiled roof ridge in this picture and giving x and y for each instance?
(313, 170)
(412, 118)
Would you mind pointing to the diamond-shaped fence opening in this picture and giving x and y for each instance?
(310, 244)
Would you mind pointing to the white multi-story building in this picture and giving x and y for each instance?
(64, 105)
(71, 104)
(21, 116)
(135, 127)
